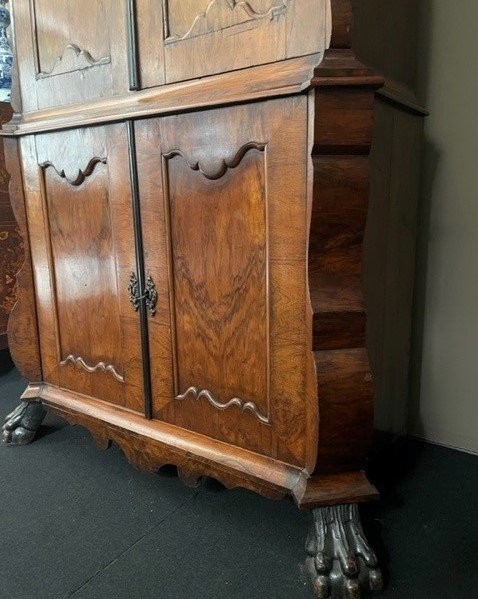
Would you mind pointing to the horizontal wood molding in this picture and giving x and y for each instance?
(403, 97)
(336, 489)
(172, 445)
(337, 67)
(279, 79)
(150, 444)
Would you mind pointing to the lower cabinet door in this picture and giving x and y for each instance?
(225, 227)
(79, 211)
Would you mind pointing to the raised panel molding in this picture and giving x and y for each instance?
(235, 401)
(72, 59)
(219, 15)
(100, 367)
(213, 170)
(75, 177)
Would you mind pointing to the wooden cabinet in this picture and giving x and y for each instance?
(192, 279)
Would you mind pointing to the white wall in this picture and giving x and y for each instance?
(444, 386)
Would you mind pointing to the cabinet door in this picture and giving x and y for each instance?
(70, 50)
(185, 39)
(224, 201)
(79, 211)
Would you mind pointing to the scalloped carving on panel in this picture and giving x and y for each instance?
(100, 367)
(75, 177)
(73, 59)
(147, 455)
(220, 167)
(219, 15)
(235, 401)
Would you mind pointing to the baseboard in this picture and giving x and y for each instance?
(445, 445)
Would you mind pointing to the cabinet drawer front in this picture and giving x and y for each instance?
(224, 202)
(71, 51)
(186, 39)
(78, 201)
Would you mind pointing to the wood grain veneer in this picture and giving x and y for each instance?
(192, 183)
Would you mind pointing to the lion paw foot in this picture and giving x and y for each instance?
(22, 424)
(340, 562)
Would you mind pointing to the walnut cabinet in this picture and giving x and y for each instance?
(192, 181)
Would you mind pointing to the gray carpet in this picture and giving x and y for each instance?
(76, 522)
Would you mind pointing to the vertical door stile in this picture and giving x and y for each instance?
(132, 36)
(138, 237)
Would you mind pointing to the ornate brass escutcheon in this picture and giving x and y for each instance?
(134, 292)
(150, 294)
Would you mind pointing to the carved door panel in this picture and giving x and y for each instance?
(79, 210)
(224, 201)
(72, 50)
(185, 39)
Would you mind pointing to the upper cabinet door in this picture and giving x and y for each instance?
(79, 210)
(185, 39)
(70, 50)
(224, 211)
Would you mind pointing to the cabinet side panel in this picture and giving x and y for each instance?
(343, 133)
(22, 325)
(11, 245)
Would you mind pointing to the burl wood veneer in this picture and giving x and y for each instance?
(192, 181)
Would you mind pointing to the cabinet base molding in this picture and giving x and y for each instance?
(150, 444)
(340, 562)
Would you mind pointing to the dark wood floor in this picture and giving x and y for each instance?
(75, 522)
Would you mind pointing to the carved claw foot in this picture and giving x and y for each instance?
(22, 424)
(340, 563)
